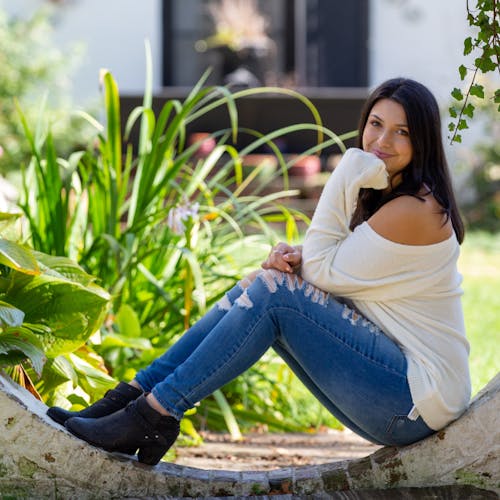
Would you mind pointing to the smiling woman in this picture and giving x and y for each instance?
(386, 136)
(367, 313)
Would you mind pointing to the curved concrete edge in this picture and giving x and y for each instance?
(40, 459)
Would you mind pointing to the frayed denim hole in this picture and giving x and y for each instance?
(271, 279)
(346, 312)
(319, 297)
(309, 290)
(248, 280)
(354, 318)
(244, 301)
(224, 304)
(291, 282)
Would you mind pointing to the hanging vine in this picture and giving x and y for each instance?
(484, 20)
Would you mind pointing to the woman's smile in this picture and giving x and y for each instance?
(386, 135)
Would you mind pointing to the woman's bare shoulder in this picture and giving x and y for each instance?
(411, 221)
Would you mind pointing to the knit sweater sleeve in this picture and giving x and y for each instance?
(330, 224)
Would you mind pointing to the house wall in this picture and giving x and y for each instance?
(422, 39)
(113, 33)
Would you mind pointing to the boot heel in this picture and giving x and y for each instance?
(151, 454)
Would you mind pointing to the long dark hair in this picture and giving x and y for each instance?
(428, 166)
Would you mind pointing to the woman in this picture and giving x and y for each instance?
(372, 323)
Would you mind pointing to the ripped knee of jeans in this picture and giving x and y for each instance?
(272, 279)
(244, 301)
(248, 280)
(224, 304)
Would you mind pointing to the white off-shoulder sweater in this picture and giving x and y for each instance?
(411, 292)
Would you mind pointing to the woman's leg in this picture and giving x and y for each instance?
(161, 367)
(354, 369)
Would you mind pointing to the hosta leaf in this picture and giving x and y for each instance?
(20, 340)
(97, 379)
(64, 368)
(18, 257)
(63, 267)
(128, 322)
(116, 340)
(69, 309)
(10, 315)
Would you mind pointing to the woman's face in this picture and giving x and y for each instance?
(386, 136)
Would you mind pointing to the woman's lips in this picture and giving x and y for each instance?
(381, 154)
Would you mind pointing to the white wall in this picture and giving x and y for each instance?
(113, 32)
(420, 39)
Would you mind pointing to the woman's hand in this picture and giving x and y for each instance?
(284, 258)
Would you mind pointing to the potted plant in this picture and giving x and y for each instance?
(240, 37)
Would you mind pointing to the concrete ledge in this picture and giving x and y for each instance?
(40, 459)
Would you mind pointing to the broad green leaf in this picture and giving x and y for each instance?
(116, 340)
(64, 368)
(469, 110)
(128, 322)
(97, 379)
(21, 340)
(463, 71)
(457, 94)
(71, 310)
(10, 315)
(18, 257)
(477, 90)
(64, 267)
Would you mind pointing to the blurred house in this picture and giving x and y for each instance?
(333, 51)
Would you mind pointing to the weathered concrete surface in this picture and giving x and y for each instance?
(40, 459)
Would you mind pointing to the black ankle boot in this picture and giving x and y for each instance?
(137, 426)
(114, 400)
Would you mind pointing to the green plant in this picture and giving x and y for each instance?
(49, 307)
(161, 227)
(485, 21)
(483, 169)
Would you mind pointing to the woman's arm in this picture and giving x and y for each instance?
(330, 223)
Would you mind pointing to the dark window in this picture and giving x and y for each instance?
(319, 43)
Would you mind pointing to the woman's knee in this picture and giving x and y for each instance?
(248, 280)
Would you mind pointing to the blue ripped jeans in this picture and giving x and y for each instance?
(352, 368)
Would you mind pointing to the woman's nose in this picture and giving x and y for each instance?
(384, 138)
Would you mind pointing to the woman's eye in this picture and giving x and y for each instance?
(402, 132)
(374, 123)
